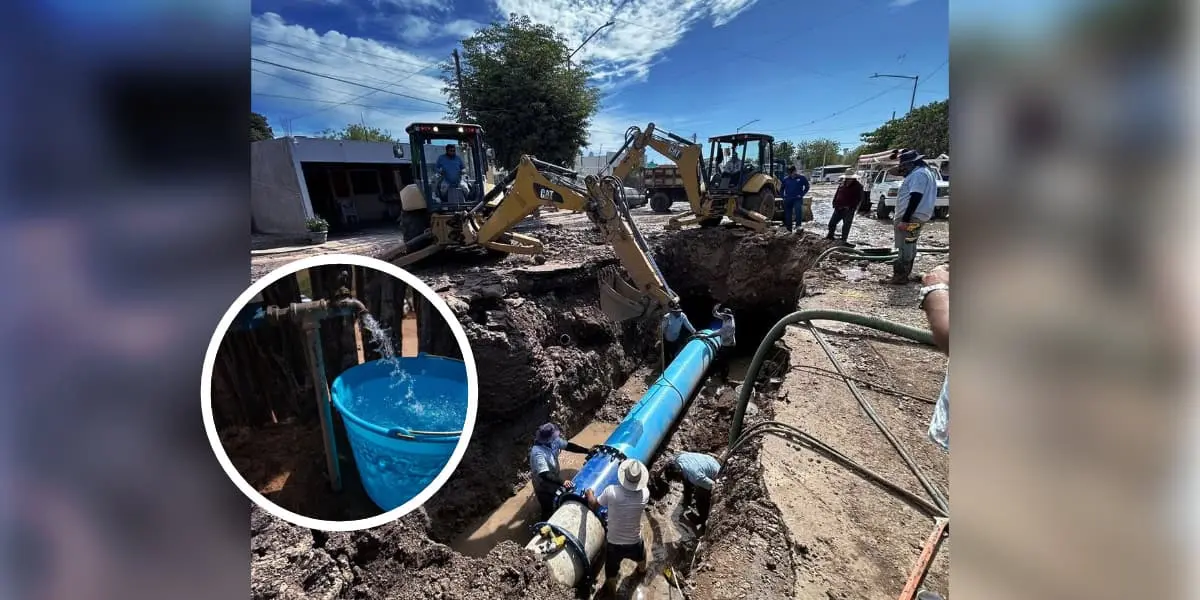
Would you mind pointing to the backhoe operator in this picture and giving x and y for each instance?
(451, 167)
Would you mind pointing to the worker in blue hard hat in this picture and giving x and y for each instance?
(548, 443)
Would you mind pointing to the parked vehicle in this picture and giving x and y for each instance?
(885, 190)
(634, 197)
(664, 187)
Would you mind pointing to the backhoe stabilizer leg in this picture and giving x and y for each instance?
(619, 300)
(683, 220)
(750, 219)
(515, 243)
(408, 258)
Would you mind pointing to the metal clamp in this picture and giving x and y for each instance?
(573, 545)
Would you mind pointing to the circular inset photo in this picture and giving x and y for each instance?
(339, 392)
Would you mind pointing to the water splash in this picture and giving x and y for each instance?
(381, 338)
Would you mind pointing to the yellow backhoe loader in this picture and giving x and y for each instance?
(707, 204)
(437, 215)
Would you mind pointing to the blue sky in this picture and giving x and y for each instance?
(704, 67)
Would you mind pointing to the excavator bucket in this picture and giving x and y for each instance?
(619, 300)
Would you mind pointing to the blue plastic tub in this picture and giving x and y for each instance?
(403, 420)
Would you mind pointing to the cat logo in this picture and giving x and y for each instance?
(546, 194)
(674, 150)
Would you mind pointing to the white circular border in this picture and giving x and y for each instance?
(210, 359)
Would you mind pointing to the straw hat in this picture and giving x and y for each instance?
(849, 176)
(632, 475)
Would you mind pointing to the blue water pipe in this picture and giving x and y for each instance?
(648, 424)
(572, 540)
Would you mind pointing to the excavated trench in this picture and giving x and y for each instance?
(545, 352)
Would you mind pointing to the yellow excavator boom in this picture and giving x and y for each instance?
(535, 183)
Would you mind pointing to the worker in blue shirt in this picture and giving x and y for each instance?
(451, 168)
(674, 323)
(795, 186)
(548, 443)
(699, 473)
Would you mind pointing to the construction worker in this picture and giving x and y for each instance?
(674, 323)
(626, 503)
(845, 200)
(699, 472)
(451, 168)
(543, 463)
(914, 208)
(795, 186)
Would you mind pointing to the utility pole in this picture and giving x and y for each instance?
(914, 78)
(589, 38)
(739, 129)
(462, 106)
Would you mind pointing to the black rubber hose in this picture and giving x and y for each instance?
(800, 437)
(933, 490)
(922, 336)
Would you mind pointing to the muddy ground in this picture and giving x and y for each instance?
(784, 524)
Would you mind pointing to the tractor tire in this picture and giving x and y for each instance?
(412, 224)
(882, 211)
(764, 203)
(660, 202)
(941, 212)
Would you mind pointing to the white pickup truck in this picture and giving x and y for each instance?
(885, 188)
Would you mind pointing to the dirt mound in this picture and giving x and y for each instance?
(544, 351)
(397, 560)
(759, 276)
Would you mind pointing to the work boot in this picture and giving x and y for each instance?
(899, 275)
(829, 236)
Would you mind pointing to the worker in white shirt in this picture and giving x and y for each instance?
(626, 502)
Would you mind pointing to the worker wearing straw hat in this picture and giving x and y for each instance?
(626, 503)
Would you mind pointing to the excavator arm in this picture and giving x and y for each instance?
(535, 183)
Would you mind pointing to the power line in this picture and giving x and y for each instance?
(339, 50)
(272, 45)
(844, 110)
(346, 81)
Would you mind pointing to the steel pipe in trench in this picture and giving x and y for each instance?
(643, 430)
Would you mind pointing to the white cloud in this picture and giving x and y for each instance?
(313, 102)
(430, 5)
(416, 29)
(643, 29)
(902, 3)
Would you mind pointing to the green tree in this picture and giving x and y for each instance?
(785, 151)
(359, 132)
(516, 84)
(260, 129)
(925, 129)
(818, 153)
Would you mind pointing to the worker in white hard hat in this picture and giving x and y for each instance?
(626, 502)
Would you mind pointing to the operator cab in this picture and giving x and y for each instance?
(735, 158)
(439, 149)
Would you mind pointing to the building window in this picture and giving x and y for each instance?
(365, 182)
